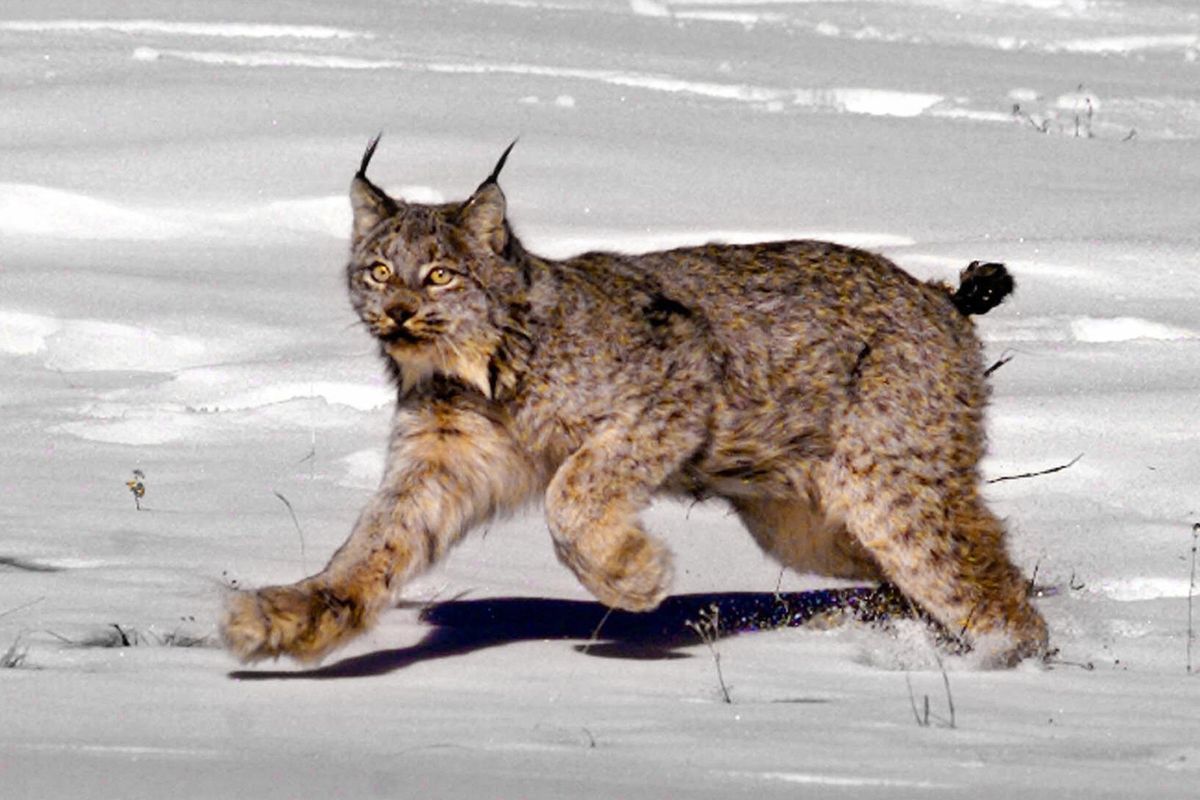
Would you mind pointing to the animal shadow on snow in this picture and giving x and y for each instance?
(460, 627)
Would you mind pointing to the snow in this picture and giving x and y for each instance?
(173, 227)
(40, 211)
(198, 29)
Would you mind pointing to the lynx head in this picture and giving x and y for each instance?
(435, 284)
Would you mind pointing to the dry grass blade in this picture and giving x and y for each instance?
(21, 607)
(14, 656)
(1059, 468)
(1191, 631)
(1005, 357)
(708, 628)
(300, 533)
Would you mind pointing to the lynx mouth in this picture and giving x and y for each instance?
(399, 335)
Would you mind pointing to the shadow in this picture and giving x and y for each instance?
(466, 626)
(26, 565)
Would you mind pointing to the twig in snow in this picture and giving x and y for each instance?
(125, 638)
(1005, 357)
(922, 722)
(1191, 634)
(137, 487)
(708, 628)
(1021, 114)
(1059, 468)
(1091, 110)
(595, 637)
(953, 723)
(14, 656)
(300, 533)
(925, 717)
(21, 607)
(1051, 659)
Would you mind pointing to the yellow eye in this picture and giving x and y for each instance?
(380, 273)
(439, 276)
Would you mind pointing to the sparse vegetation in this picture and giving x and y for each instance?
(1083, 122)
(1041, 126)
(21, 607)
(137, 487)
(1059, 468)
(924, 716)
(596, 632)
(1191, 631)
(17, 652)
(708, 628)
(15, 655)
(1083, 116)
(299, 532)
(115, 635)
(1005, 357)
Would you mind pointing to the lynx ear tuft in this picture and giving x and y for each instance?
(495, 176)
(370, 203)
(366, 159)
(483, 215)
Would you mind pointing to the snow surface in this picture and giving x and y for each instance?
(172, 230)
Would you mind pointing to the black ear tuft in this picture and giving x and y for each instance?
(366, 159)
(371, 204)
(483, 214)
(982, 286)
(495, 176)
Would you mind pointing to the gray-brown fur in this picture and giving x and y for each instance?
(834, 400)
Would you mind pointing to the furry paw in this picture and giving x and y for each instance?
(633, 577)
(1025, 637)
(300, 621)
(1004, 636)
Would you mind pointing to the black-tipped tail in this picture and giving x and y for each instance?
(981, 287)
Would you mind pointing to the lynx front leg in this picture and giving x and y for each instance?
(449, 468)
(592, 506)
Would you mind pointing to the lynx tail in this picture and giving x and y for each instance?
(981, 287)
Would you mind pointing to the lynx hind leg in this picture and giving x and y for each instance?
(904, 478)
(949, 557)
(801, 536)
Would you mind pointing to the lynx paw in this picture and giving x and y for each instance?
(633, 577)
(297, 621)
(1021, 636)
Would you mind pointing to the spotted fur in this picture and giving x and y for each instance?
(832, 399)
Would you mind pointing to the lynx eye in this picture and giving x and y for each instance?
(439, 276)
(381, 273)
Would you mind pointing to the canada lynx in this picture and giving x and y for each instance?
(832, 399)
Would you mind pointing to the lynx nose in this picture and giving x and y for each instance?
(399, 314)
